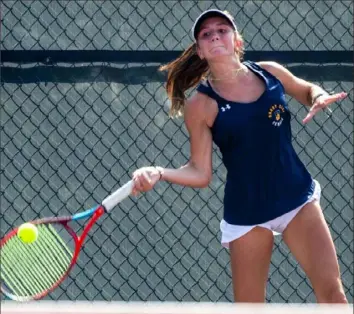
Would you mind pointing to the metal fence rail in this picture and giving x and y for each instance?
(73, 131)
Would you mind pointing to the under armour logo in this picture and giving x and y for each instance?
(227, 107)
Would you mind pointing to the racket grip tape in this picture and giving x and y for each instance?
(119, 195)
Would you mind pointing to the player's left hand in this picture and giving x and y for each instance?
(323, 102)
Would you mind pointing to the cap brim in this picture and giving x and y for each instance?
(207, 14)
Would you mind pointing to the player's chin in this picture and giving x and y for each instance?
(219, 54)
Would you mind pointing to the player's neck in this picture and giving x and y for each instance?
(226, 71)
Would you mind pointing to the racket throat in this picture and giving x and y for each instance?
(96, 215)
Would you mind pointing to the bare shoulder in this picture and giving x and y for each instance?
(293, 85)
(195, 108)
(273, 67)
(280, 72)
(196, 102)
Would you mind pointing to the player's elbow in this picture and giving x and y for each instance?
(201, 175)
(204, 180)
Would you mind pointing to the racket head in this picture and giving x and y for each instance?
(30, 271)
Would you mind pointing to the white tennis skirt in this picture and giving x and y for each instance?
(277, 226)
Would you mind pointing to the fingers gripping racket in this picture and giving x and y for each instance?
(29, 271)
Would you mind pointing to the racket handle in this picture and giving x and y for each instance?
(123, 192)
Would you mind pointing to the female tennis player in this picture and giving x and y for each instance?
(241, 107)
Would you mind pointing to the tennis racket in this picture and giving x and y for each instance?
(30, 271)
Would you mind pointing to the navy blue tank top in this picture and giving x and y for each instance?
(265, 177)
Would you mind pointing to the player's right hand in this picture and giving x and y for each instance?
(144, 179)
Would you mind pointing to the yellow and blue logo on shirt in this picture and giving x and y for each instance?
(275, 113)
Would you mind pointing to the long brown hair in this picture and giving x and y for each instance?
(186, 72)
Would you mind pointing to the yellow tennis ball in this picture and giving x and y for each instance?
(27, 232)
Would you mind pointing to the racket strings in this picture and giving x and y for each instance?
(30, 269)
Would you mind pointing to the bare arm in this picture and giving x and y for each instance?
(303, 91)
(197, 172)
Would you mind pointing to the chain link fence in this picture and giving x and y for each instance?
(71, 133)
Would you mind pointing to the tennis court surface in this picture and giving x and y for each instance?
(84, 307)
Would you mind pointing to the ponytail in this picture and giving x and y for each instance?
(184, 73)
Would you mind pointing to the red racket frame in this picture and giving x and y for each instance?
(79, 240)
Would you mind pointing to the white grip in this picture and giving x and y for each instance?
(111, 201)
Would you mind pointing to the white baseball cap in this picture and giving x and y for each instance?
(210, 13)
